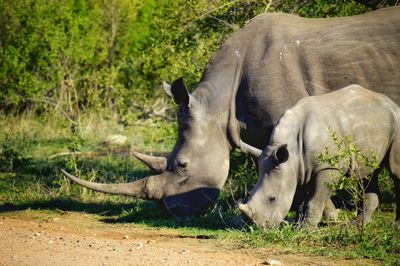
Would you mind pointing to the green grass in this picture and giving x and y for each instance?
(339, 240)
(29, 179)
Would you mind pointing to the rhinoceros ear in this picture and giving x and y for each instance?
(281, 154)
(178, 91)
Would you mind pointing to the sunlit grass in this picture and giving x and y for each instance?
(31, 179)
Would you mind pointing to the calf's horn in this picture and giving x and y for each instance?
(250, 149)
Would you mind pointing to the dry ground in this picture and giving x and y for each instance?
(43, 238)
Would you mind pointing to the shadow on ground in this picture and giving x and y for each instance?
(149, 213)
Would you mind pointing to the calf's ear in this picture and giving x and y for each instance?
(281, 154)
(177, 91)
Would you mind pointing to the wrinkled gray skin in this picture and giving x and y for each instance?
(289, 161)
(257, 74)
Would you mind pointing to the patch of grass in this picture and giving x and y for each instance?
(29, 173)
(382, 240)
(29, 179)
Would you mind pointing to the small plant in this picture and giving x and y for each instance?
(351, 165)
(12, 154)
(74, 145)
(242, 177)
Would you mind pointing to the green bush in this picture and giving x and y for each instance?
(350, 164)
(91, 54)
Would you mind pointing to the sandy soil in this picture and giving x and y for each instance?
(40, 238)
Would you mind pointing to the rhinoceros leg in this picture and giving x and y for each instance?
(330, 213)
(394, 167)
(396, 181)
(371, 199)
(318, 197)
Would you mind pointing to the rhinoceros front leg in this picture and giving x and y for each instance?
(318, 197)
(396, 180)
(371, 199)
(394, 166)
(330, 213)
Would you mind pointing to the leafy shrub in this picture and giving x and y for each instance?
(242, 178)
(322, 8)
(351, 164)
(12, 155)
(79, 54)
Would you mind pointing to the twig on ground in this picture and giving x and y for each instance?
(68, 153)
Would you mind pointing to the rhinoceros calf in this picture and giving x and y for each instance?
(289, 161)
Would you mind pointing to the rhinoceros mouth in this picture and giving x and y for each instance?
(272, 220)
(191, 203)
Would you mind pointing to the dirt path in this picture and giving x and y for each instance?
(40, 238)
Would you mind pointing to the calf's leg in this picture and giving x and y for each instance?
(318, 197)
(394, 168)
(371, 200)
(330, 213)
(396, 181)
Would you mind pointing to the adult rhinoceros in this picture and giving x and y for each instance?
(257, 74)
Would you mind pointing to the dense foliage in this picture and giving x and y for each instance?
(73, 55)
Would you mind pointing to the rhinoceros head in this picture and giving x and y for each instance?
(273, 194)
(190, 178)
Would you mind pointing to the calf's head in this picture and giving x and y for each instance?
(271, 199)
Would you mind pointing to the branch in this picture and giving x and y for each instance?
(207, 13)
(268, 5)
(68, 153)
(57, 107)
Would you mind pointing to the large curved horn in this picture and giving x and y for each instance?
(146, 188)
(157, 164)
(250, 149)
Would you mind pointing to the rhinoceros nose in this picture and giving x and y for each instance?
(191, 203)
